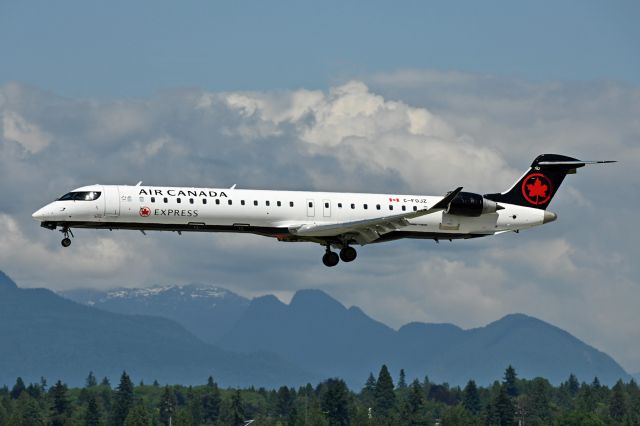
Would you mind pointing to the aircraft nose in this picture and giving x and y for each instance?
(39, 214)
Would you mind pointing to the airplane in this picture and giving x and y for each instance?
(334, 220)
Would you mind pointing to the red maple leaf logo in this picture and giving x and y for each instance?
(145, 211)
(538, 189)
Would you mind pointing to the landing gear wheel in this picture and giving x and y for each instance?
(66, 242)
(330, 259)
(348, 254)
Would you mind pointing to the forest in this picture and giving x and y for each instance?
(382, 401)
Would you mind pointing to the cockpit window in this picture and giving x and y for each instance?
(81, 196)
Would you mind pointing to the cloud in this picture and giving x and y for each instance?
(404, 132)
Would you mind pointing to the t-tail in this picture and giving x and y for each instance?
(540, 183)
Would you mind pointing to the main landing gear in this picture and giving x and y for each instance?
(331, 258)
(66, 241)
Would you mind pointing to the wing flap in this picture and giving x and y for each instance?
(367, 230)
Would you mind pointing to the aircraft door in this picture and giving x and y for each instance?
(311, 209)
(111, 201)
(326, 208)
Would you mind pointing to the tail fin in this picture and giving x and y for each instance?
(540, 183)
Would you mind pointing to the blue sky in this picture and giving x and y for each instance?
(399, 97)
(123, 48)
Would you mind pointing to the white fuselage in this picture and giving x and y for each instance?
(266, 212)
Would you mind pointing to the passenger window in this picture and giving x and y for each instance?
(353, 206)
(165, 200)
(390, 207)
(365, 206)
(290, 203)
(339, 205)
(310, 204)
(242, 202)
(142, 199)
(153, 199)
(404, 208)
(267, 203)
(204, 201)
(378, 206)
(217, 200)
(415, 208)
(178, 200)
(255, 202)
(230, 202)
(190, 200)
(326, 205)
(278, 203)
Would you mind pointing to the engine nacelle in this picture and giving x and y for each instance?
(471, 204)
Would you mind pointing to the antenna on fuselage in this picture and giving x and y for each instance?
(139, 183)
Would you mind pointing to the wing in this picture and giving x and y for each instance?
(368, 230)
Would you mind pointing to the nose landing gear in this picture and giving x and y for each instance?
(66, 241)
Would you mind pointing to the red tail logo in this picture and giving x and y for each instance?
(537, 189)
(145, 211)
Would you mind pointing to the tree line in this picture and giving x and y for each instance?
(511, 401)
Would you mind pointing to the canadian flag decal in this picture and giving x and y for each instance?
(391, 200)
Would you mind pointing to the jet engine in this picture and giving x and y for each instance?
(471, 204)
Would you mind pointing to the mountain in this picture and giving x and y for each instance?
(6, 282)
(43, 334)
(207, 311)
(318, 332)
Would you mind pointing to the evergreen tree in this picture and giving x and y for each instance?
(284, 402)
(211, 404)
(402, 380)
(510, 383)
(572, 385)
(138, 416)
(236, 416)
(503, 408)
(384, 397)
(123, 401)
(60, 405)
(91, 380)
(183, 418)
(335, 402)
(167, 406)
(195, 407)
(43, 384)
(105, 382)
(415, 400)
(210, 382)
(369, 391)
(471, 398)
(18, 388)
(618, 406)
(92, 415)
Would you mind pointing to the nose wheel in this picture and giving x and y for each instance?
(66, 241)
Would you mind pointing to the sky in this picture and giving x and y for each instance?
(402, 97)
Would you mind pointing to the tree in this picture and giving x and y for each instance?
(138, 416)
(105, 381)
(210, 382)
(618, 406)
(335, 402)
(60, 405)
(211, 404)
(284, 402)
(539, 400)
(384, 397)
(91, 380)
(503, 408)
(17, 388)
(510, 378)
(471, 398)
(123, 401)
(402, 380)
(167, 406)
(236, 416)
(368, 392)
(572, 385)
(27, 412)
(92, 415)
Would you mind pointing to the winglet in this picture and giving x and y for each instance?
(444, 203)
